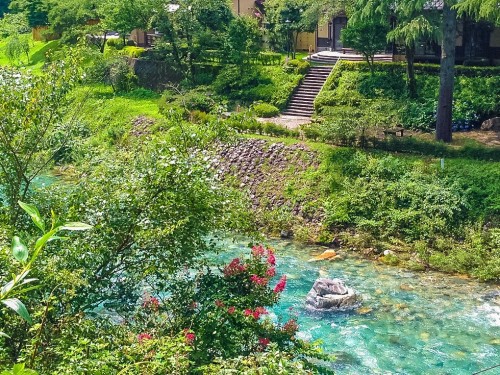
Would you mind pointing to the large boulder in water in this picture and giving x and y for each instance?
(331, 294)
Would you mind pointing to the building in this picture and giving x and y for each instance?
(475, 40)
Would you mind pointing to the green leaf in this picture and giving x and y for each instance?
(19, 308)
(34, 213)
(76, 226)
(2, 334)
(19, 250)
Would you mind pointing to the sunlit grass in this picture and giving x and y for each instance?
(38, 51)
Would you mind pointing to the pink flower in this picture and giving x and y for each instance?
(248, 312)
(291, 326)
(281, 285)
(264, 342)
(271, 272)
(189, 336)
(258, 251)
(152, 303)
(261, 310)
(141, 337)
(271, 259)
(258, 280)
(231, 310)
(258, 312)
(219, 303)
(234, 268)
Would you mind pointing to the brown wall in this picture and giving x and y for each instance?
(306, 41)
(243, 7)
(40, 33)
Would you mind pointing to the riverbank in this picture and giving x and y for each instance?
(399, 209)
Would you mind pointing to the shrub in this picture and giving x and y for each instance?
(194, 100)
(132, 51)
(116, 43)
(121, 76)
(297, 66)
(265, 110)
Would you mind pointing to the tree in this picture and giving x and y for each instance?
(126, 15)
(488, 10)
(447, 75)
(16, 46)
(184, 25)
(32, 108)
(367, 37)
(13, 23)
(243, 38)
(479, 9)
(412, 20)
(290, 18)
(36, 10)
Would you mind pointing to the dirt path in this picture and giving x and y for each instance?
(290, 122)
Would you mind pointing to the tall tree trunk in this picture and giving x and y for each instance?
(447, 75)
(410, 71)
(104, 40)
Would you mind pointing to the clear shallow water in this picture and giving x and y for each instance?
(419, 323)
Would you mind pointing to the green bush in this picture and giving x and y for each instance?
(297, 66)
(116, 43)
(133, 52)
(476, 96)
(199, 99)
(265, 110)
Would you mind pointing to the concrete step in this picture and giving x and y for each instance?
(298, 113)
(302, 101)
(304, 96)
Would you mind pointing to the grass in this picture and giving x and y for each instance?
(37, 54)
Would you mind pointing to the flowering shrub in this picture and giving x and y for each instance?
(224, 314)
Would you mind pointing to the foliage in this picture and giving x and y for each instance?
(268, 84)
(383, 95)
(17, 45)
(36, 11)
(265, 110)
(199, 99)
(243, 39)
(480, 9)
(132, 51)
(297, 66)
(272, 362)
(13, 23)
(19, 284)
(366, 37)
(32, 110)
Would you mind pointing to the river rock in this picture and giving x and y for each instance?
(493, 124)
(331, 294)
(328, 254)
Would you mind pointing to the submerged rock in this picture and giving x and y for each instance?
(328, 254)
(331, 294)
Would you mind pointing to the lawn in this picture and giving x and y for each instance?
(38, 51)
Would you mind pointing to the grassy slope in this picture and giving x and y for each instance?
(468, 250)
(37, 54)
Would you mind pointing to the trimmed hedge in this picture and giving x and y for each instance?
(266, 110)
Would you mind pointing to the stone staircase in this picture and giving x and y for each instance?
(301, 103)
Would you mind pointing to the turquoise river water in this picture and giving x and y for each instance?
(408, 323)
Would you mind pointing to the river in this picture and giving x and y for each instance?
(409, 322)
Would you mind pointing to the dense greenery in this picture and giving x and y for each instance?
(351, 92)
(134, 292)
